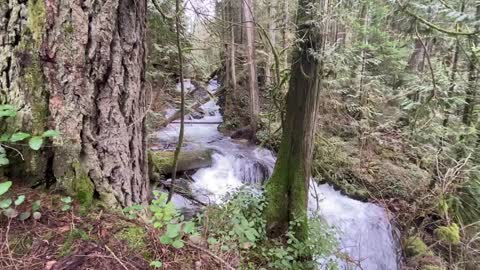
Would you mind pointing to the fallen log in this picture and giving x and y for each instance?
(161, 162)
(194, 107)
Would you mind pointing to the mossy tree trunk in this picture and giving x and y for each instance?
(287, 189)
(78, 67)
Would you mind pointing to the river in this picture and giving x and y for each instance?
(363, 230)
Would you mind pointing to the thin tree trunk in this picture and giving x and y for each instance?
(453, 74)
(252, 72)
(178, 148)
(271, 34)
(287, 189)
(86, 62)
(365, 23)
(471, 93)
(285, 28)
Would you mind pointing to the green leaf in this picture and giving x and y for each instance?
(65, 207)
(7, 111)
(37, 215)
(67, 199)
(250, 235)
(4, 161)
(4, 204)
(35, 142)
(164, 239)
(51, 133)
(173, 230)
(20, 136)
(4, 187)
(212, 241)
(10, 213)
(156, 264)
(4, 137)
(178, 244)
(20, 199)
(36, 205)
(24, 216)
(189, 227)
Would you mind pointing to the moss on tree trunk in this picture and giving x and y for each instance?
(287, 189)
(79, 68)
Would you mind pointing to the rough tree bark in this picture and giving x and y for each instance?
(249, 26)
(287, 189)
(78, 67)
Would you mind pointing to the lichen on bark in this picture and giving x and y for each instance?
(22, 81)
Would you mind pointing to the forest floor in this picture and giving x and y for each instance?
(89, 238)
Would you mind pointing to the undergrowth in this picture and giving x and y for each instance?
(239, 225)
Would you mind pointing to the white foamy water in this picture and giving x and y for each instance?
(363, 229)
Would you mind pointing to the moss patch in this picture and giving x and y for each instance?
(416, 247)
(449, 234)
(36, 19)
(74, 235)
(135, 238)
(78, 184)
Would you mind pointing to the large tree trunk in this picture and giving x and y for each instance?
(86, 60)
(252, 70)
(287, 189)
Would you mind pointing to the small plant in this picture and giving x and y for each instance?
(156, 264)
(132, 212)
(66, 203)
(35, 142)
(165, 215)
(9, 206)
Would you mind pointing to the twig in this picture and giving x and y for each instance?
(116, 258)
(218, 259)
(14, 149)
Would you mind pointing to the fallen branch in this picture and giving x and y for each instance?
(182, 193)
(194, 107)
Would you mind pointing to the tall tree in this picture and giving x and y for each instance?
(249, 26)
(287, 189)
(78, 67)
(471, 92)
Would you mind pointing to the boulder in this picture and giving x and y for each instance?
(161, 162)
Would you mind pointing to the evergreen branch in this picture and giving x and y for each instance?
(434, 26)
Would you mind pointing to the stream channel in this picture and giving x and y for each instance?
(363, 229)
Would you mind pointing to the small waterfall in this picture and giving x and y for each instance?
(363, 229)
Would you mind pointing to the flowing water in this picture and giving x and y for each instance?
(363, 229)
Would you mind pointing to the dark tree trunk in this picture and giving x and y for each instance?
(82, 63)
(287, 189)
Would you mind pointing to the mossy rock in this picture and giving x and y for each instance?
(449, 234)
(416, 247)
(161, 162)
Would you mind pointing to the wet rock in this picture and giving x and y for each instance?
(161, 162)
(197, 114)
